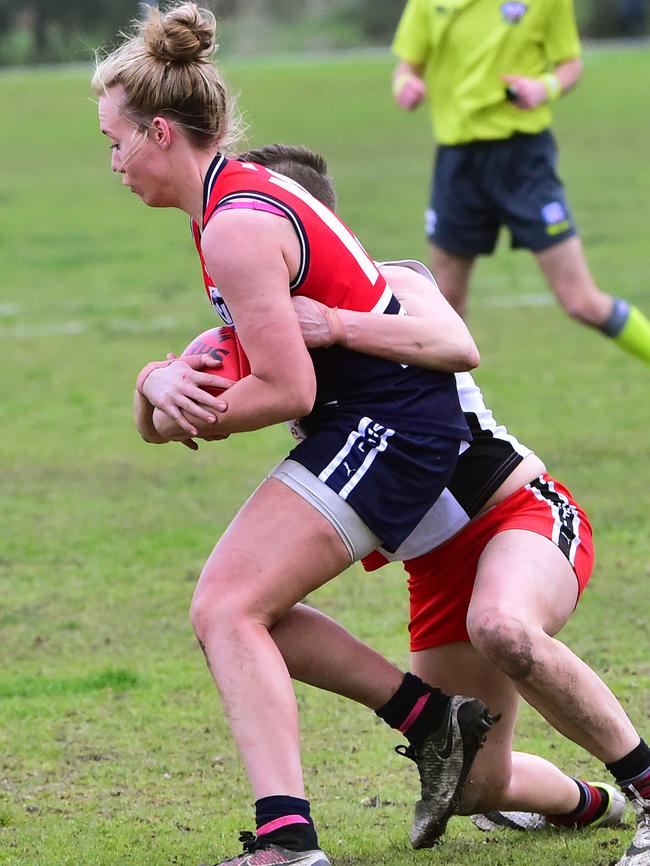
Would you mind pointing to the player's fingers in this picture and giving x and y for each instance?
(314, 322)
(199, 362)
(171, 356)
(417, 89)
(198, 402)
(523, 102)
(180, 408)
(194, 409)
(414, 102)
(190, 443)
(210, 380)
(210, 361)
(194, 361)
(177, 416)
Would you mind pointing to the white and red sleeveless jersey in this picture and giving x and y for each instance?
(481, 469)
(336, 270)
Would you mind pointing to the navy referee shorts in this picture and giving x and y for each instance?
(481, 186)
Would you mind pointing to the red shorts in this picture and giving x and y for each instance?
(441, 581)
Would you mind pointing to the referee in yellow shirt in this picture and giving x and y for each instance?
(491, 70)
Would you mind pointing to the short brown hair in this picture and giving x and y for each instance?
(307, 168)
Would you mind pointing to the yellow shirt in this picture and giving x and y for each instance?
(465, 47)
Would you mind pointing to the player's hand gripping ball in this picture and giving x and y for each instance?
(223, 345)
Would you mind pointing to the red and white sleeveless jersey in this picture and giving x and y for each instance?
(334, 267)
(335, 270)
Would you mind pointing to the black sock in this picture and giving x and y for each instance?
(617, 319)
(415, 709)
(633, 770)
(286, 821)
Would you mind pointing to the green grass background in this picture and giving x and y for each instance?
(113, 749)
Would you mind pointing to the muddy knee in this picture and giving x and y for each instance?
(504, 640)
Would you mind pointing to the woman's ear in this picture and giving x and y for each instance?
(161, 131)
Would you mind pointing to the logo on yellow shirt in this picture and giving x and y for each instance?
(513, 12)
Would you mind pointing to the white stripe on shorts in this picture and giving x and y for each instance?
(336, 461)
(367, 463)
(353, 438)
(559, 519)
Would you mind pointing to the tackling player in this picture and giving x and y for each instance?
(495, 570)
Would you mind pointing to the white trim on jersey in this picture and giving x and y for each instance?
(412, 265)
(559, 517)
(332, 222)
(384, 300)
(211, 179)
(336, 461)
(471, 401)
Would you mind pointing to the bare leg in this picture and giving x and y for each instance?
(320, 652)
(254, 575)
(565, 267)
(499, 779)
(525, 591)
(452, 274)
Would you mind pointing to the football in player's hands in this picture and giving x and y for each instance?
(223, 345)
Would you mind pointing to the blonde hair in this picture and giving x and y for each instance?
(165, 67)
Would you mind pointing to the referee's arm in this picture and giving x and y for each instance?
(528, 93)
(412, 45)
(568, 74)
(409, 89)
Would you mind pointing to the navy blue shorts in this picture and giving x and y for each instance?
(388, 477)
(481, 186)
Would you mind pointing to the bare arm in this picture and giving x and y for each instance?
(246, 254)
(143, 415)
(433, 335)
(569, 74)
(143, 408)
(531, 92)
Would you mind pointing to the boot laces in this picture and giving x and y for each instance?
(640, 805)
(250, 842)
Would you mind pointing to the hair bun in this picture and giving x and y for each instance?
(183, 34)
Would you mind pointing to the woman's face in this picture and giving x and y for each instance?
(134, 152)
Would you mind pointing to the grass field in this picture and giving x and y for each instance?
(113, 749)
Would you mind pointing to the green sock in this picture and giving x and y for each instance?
(634, 336)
